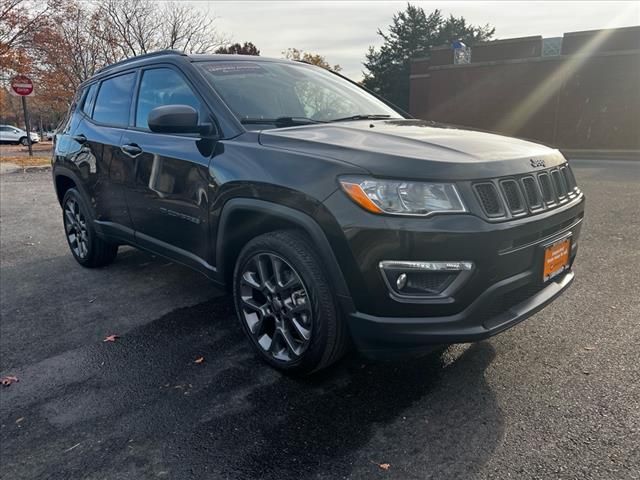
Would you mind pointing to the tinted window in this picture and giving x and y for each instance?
(268, 90)
(114, 100)
(88, 100)
(162, 86)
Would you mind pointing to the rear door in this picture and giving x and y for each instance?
(169, 197)
(106, 118)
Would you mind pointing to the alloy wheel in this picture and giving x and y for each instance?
(75, 226)
(275, 307)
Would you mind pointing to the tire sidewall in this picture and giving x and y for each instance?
(320, 296)
(74, 194)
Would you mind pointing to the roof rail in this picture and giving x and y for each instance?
(140, 57)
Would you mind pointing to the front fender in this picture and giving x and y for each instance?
(289, 216)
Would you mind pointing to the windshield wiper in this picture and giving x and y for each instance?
(373, 116)
(280, 121)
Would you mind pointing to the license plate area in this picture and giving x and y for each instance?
(556, 258)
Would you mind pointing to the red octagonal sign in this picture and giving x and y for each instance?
(22, 85)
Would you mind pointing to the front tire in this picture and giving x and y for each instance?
(87, 248)
(285, 304)
(24, 142)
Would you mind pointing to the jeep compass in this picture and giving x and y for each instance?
(333, 217)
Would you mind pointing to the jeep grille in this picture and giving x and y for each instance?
(522, 195)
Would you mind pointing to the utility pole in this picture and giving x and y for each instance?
(26, 124)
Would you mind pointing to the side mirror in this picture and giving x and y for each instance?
(177, 119)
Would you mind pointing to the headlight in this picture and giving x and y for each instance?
(402, 197)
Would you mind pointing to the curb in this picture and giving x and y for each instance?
(12, 168)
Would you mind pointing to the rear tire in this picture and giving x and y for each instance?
(286, 305)
(87, 248)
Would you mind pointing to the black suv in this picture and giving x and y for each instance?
(332, 216)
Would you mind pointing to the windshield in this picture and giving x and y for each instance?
(265, 93)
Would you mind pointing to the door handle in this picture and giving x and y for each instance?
(79, 138)
(131, 149)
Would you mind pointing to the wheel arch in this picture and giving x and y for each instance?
(245, 218)
(63, 183)
(64, 179)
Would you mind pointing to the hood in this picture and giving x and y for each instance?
(415, 149)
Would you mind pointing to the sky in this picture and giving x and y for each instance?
(343, 30)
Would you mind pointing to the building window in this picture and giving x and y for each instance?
(551, 47)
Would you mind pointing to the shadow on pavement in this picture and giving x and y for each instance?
(141, 408)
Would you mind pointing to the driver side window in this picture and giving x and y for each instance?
(162, 86)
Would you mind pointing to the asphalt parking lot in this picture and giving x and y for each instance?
(555, 397)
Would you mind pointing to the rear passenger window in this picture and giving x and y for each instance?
(89, 98)
(114, 100)
(162, 86)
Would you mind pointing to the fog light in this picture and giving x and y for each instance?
(412, 279)
(401, 282)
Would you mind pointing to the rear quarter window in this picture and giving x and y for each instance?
(113, 102)
(87, 105)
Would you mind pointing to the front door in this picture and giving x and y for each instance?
(169, 196)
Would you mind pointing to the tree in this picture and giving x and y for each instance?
(412, 34)
(61, 43)
(141, 26)
(247, 48)
(313, 58)
(19, 19)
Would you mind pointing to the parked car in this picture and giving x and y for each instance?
(11, 134)
(331, 216)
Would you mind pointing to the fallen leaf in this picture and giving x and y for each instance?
(111, 338)
(385, 466)
(199, 360)
(8, 380)
(20, 419)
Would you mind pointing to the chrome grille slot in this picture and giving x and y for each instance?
(569, 179)
(512, 194)
(489, 199)
(559, 185)
(534, 198)
(546, 188)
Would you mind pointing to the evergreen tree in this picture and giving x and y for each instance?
(412, 35)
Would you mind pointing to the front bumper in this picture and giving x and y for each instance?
(505, 286)
(502, 306)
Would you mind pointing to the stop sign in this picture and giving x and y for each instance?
(22, 85)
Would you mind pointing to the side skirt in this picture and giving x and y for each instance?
(120, 234)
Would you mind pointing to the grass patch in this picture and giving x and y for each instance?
(26, 160)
